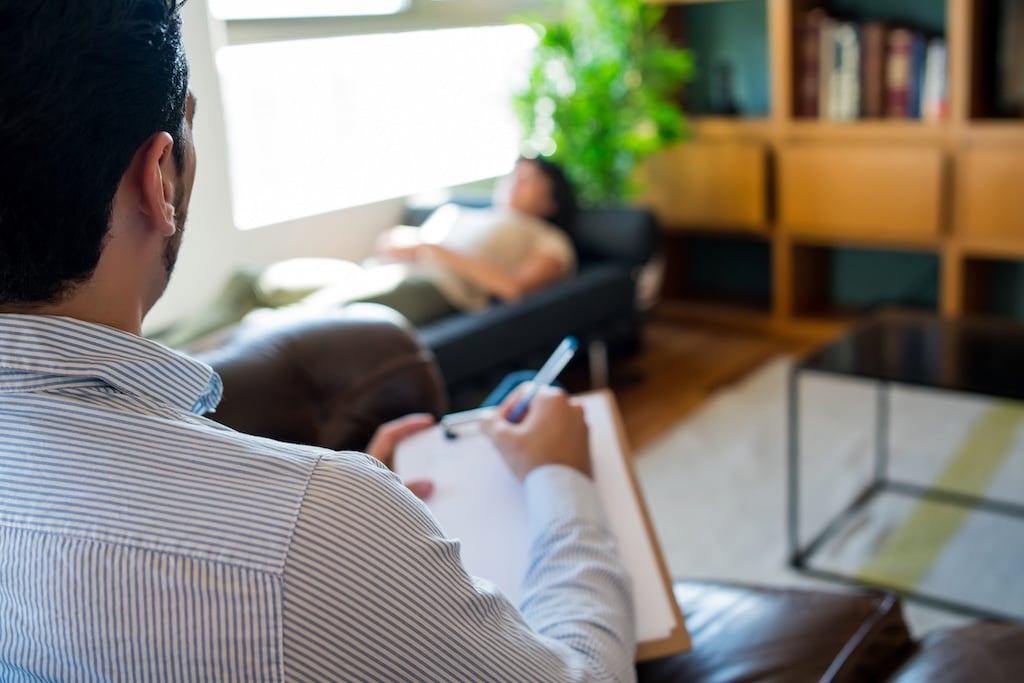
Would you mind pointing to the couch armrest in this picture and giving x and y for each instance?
(752, 633)
(985, 651)
(328, 378)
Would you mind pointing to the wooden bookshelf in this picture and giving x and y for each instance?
(810, 187)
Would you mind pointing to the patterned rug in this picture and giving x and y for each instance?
(716, 489)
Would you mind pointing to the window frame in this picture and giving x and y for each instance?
(235, 10)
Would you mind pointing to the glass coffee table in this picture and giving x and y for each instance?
(909, 350)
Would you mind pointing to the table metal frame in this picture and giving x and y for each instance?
(800, 555)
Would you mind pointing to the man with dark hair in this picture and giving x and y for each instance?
(141, 541)
(64, 169)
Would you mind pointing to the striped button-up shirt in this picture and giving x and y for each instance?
(140, 541)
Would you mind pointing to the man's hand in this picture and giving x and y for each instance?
(386, 438)
(552, 433)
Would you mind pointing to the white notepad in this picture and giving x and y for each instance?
(478, 500)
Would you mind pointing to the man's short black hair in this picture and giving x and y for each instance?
(83, 83)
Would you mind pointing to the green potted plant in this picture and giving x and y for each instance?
(603, 94)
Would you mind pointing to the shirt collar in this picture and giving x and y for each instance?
(44, 346)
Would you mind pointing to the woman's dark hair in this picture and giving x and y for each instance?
(562, 193)
(84, 85)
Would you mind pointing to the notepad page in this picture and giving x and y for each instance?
(480, 502)
(476, 500)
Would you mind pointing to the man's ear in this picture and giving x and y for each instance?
(157, 181)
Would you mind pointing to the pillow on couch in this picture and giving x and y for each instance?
(277, 285)
(292, 280)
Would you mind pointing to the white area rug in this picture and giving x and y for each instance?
(716, 484)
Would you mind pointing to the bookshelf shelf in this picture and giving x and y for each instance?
(996, 131)
(867, 130)
(879, 241)
(829, 196)
(996, 250)
(731, 128)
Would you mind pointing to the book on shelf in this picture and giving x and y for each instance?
(934, 97)
(844, 84)
(899, 72)
(809, 57)
(1010, 98)
(848, 70)
(872, 89)
(826, 63)
(918, 53)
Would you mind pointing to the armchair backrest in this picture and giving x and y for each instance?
(325, 378)
(618, 234)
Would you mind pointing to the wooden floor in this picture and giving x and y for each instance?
(683, 362)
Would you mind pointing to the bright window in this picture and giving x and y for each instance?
(319, 125)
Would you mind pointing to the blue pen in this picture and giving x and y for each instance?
(545, 376)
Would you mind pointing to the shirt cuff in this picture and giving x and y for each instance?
(556, 493)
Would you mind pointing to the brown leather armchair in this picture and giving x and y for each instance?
(326, 379)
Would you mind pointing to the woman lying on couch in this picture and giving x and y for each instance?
(460, 259)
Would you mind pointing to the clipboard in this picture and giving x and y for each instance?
(478, 500)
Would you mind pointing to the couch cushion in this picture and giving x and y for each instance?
(749, 633)
(989, 652)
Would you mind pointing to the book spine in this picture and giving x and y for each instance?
(898, 73)
(918, 48)
(845, 104)
(826, 62)
(809, 54)
(873, 38)
(934, 101)
(1010, 88)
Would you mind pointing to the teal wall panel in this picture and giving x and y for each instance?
(733, 33)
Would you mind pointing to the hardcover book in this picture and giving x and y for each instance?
(873, 39)
(898, 72)
(934, 100)
(844, 104)
(808, 59)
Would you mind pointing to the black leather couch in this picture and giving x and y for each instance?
(598, 306)
(329, 380)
